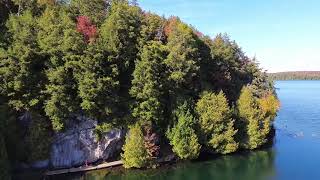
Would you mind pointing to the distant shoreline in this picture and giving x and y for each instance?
(295, 75)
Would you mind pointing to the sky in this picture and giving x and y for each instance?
(284, 35)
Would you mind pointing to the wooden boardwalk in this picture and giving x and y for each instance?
(83, 169)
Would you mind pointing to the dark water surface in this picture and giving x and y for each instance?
(295, 154)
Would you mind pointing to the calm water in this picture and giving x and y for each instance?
(295, 154)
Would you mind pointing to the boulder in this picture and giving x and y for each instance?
(78, 145)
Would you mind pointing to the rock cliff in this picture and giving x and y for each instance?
(79, 145)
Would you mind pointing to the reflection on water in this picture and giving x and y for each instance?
(255, 165)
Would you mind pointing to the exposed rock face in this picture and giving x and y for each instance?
(79, 145)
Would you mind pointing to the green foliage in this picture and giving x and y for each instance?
(260, 84)
(62, 44)
(101, 129)
(215, 120)
(148, 84)
(129, 66)
(182, 136)
(183, 59)
(96, 10)
(135, 153)
(22, 77)
(119, 35)
(98, 84)
(250, 116)
(257, 116)
(151, 28)
(228, 66)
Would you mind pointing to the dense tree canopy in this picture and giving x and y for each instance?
(126, 68)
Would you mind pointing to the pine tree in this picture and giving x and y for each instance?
(215, 120)
(182, 136)
(135, 153)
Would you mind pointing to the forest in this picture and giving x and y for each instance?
(126, 68)
(295, 75)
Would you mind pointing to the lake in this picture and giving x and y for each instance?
(294, 155)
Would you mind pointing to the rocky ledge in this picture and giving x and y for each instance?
(79, 145)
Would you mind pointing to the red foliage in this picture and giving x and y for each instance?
(198, 33)
(86, 28)
(150, 142)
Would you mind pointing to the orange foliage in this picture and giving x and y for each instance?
(170, 25)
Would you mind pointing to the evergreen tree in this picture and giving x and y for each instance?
(151, 29)
(120, 34)
(183, 59)
(22, 66)
(112, 62)
(63, 46)
(215, 120)
(135, 153)
(96, 10)
(182, 136)
(148, 84)
(252, 120)
(227, 68)
(98, 84)
(269, 105)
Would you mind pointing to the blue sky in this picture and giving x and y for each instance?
(284, 35)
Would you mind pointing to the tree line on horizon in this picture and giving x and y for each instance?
(159, 78)
(295, 75)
